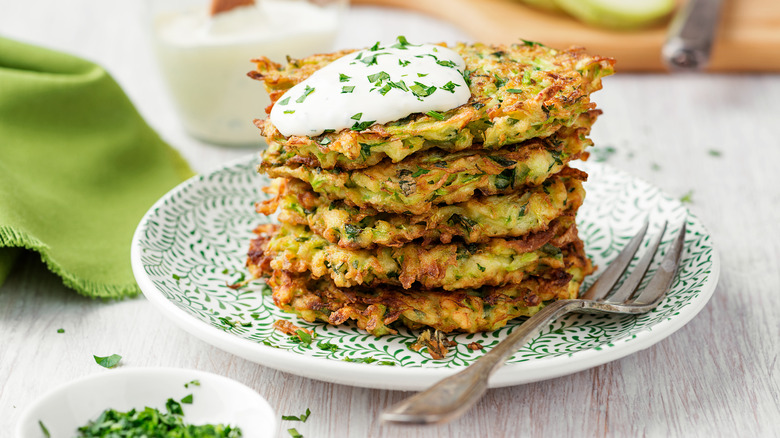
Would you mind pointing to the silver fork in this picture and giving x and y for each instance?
(454, 395)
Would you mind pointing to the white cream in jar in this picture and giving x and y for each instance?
(205, 60)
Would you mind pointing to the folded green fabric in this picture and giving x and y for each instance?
(78, 169)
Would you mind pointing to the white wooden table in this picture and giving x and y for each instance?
(712, 136)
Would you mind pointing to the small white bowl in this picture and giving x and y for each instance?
(216, 400)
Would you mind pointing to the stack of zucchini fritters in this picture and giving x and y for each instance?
(459, 221)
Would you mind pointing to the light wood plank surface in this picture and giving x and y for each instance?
(717, 376)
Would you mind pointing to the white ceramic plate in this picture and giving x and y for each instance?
(193, 242)
(217, 400)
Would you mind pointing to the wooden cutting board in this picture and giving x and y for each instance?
(748, 38)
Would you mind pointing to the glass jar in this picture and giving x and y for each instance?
(204, 59)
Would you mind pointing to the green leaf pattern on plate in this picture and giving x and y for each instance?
(194, 244)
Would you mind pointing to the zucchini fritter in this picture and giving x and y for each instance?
(475, 220)
(437, 177)
(451, 266)
(378, 309)
(518, 92)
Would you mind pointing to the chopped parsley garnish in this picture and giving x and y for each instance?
(501, 161)
(378, 78)
(715, 152)
(285, 101)
(347, 89)
(174, 407)
(420, 171)
(402, 43)
(192, 382)
(531, 43)
(403, 63)
(362, 125)
(422, 75)
(365, 150)
(44, 429)
(687, 198)
(371, 60)
(449, 86)
(187, 399)
(522, 210)
(514, 90)
(375, 47)
(357, 116)
(505, 179)
(303, 417)
(352, 231)
(400, 85)
(422, 90)
(227, 320)
(61, 330)
(303, 336)
(294, 433)
(344, 78)
(151, 422)
(436, 115)
(446, 63)
(467, 76)
(108, 361)
(327, 346)
(306, 92)
(369, 360)
(289, 111)
(464, 222)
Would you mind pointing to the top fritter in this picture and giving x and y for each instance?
(517, 92)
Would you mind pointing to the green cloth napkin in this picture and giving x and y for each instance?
(78, 169)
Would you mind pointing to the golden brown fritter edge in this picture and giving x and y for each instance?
(450, 266)
(474, 220)
(380, 310)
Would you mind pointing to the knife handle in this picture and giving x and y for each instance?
(691, 35)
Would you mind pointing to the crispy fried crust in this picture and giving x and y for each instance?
(475, 220)
(518, 92)
(452, 266)
(434, 176)
(379, 309)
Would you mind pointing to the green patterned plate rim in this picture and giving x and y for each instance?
(192, 244)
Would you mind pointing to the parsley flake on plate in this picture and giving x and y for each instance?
(303, 417)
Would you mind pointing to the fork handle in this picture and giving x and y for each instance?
(454, 395)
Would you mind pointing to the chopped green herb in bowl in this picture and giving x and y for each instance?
(152, 423)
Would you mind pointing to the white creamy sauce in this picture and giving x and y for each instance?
(376, 85)
(205, 61)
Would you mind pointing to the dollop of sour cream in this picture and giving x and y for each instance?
(377, 85)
